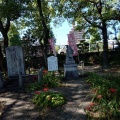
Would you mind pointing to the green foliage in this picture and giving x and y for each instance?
(33, 86)
(10, 9)
(35, 20)
(106, 95)
(94, 34)
(13, 34)
(118, 36)
(13, 31)
(49, 99)
(15, 40)
(114, 57)
(83, 47)
(57, 47)
(89, 13)
(49, 81)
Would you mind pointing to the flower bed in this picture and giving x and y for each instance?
(49, 81)
(43, 97)
(106, 100)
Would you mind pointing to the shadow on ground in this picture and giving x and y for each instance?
(18, 105)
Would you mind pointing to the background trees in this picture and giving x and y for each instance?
(35, 16)
(31, 15)
(10, 10)
(89, 13)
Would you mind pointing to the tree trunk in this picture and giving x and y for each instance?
(2, 64)
(5, 41)
(46, 30)
(105, 46)
(45, 52)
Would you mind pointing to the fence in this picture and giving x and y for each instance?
(98, 47)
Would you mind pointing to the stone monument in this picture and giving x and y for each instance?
(40, 75)
(15, 62)
(70, 68)
(52, 63)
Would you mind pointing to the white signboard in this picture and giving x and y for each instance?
(52, 63)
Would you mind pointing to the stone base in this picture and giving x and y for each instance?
(70, 71)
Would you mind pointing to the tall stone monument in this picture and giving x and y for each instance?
(70, 67)
(15, 62)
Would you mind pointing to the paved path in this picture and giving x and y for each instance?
(18, 105)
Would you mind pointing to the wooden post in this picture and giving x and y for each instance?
(40, 75)
(1, 81)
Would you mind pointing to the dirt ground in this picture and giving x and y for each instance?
(75, 86)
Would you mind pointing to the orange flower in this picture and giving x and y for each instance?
(88, 108)
(92, 104)
(99, 96)
(37, 92)
(45, 89)
(112, 90)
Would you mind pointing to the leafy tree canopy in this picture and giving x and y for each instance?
(90, 13)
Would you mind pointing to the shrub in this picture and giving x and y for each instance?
(49, 99)
(49, 79)
(33, 86)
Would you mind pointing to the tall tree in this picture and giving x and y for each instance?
(10, 10)
(37, 20)
(91, 13)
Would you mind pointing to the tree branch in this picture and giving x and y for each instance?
(1, 27)
(41, 15)
(93, 24)
(7, 24)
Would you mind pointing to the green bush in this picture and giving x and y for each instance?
(49, 99)
(33, 87)
(49, 81)
(15, 40)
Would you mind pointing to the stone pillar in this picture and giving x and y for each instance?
(70, 68)
(40, 75)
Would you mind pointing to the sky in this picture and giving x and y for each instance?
(61, 32)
